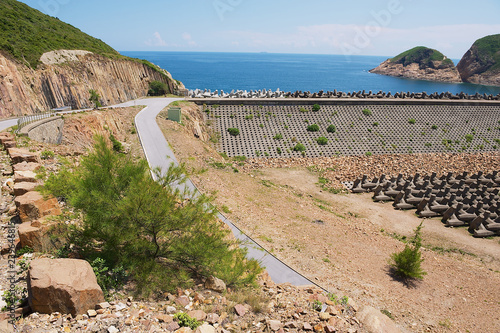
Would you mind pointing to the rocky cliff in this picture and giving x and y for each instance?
(420, 63)
(481, 63)
(64, 78)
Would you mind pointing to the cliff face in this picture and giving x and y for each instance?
(420, 63)
(66, 81)
(480, 65)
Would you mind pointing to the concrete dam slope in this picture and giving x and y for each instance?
(274, 128)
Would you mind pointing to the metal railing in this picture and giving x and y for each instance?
(23, 121)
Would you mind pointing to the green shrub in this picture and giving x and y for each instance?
(184, 320)
(24, 250)
(233, 131)
(46, 154)
(375, 124)
(406, 264)
(107, 279)
(469, 137)
(249, 117)
(117, 145)
(303, 110)
(157, 88)
(129, 221)
(368, 153)
(278, 150)
(278, 137)
(313, 128)
(322, 140)
(316, 107)
(95, 98)
(434, 127)
(412, 121)
(331, 129)
(299, 147)
(367, 112)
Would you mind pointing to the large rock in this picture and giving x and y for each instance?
(67, 286)
(479, 65)
(26, 166)
(375, 321)
(30, 236)
(23, 188)
(19, 155)
(33, 205)
(24, 176)
(215, 284)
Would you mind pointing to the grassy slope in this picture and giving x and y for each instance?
(421, 55)
(489, 49)
(26, 33)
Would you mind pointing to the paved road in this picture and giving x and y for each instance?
(159, 154)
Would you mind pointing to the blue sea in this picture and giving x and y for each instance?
(290, 72)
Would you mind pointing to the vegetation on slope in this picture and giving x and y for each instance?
(149, 228)
(423, 56)
(488, 51)
(26, 34)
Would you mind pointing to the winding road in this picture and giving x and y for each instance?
(160, 155)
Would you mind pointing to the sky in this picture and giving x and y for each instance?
(361, 27)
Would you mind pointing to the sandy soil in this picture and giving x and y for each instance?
(343, 242)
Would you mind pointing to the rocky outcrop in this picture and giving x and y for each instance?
(32, 206)
(481, 63)
(67, 286)
(420, 63)
(66, 78)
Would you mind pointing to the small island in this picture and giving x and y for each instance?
(420, 63)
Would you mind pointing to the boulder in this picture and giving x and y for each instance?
(19, 155)
(23, 188)
(26, 166)
(24, 176)
(67, 286)
(375, 321)
(32, 205)
(6, 136)
(30, 236)
(215, 284)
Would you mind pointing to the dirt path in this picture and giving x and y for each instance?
(343, 242)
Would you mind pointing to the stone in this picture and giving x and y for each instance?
(30, 236)
(23, 188)
(215, 284)
(330, 329)
(164, 318)
(307, 327)
(33, 205)
(173, 326)
(19, 155)
(240, 310)
(198, 315)
(205, 328)
(353, 304)
(91, 313)
(212, 318)
(113, 329)
(184, 330)
(170, 309)
(274, 325)
(103, 305)
(62, 285)
(375, 321)
(182, 301)
(26, 166)
(324, 316)
(24, 176)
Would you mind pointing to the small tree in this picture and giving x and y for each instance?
(316, 107)
(157, 88)
(331, 129)
(313, 128)
(94, 98)
(406, 264)
(233, 131)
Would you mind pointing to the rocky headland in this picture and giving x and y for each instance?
(420, 63)
(481, 63)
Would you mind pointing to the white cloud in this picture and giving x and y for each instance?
(452, 40)
(157, 40)
(187, 37)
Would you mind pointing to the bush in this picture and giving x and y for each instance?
(368, 153)
(469, 137)
(316, 107)
(157, 88)
(331, 129)
(95, 98)
(367, 112)
(313, 128)
(322, 140)
(278, 137)
(46, 154)
(134, 222)
(117, 145)
(184, 320)
(434, 127)
(412, 121)
(406, 264)
(299, 147)
(233, 131)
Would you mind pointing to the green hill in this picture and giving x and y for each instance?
(488, 51)
(423, 56)
(26, 34)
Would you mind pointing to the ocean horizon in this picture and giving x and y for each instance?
(291, 72)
